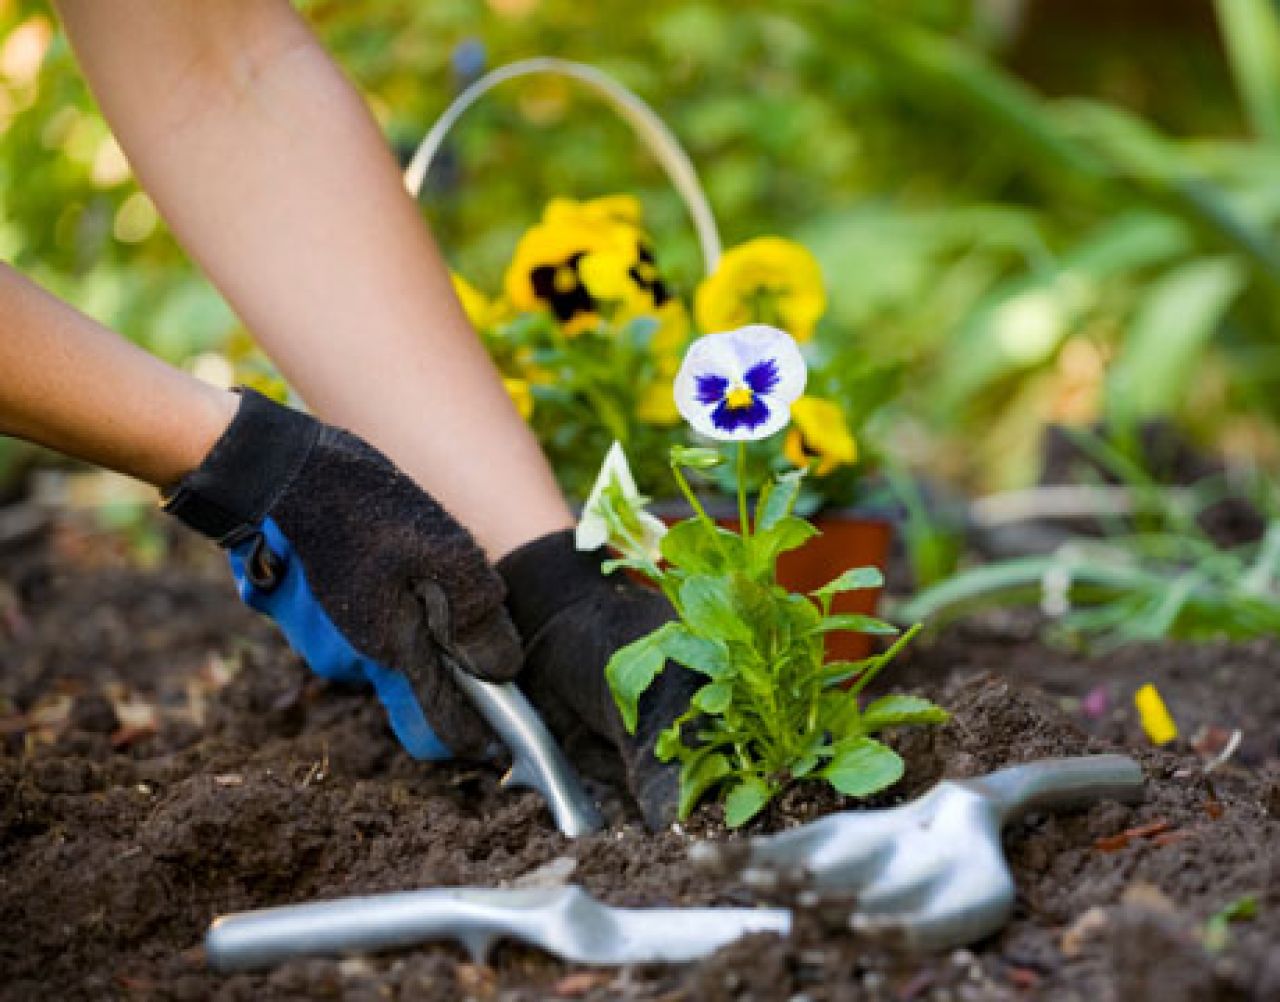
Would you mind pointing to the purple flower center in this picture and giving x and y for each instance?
(752, 416)
(739, 406)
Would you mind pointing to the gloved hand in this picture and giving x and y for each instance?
(572, 618)
(368, 577)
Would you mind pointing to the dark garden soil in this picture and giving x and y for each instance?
(164, 759)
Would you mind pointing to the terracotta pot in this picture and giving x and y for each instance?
(849, 538)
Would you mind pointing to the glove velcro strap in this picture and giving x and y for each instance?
(547, 576)
(246, 471)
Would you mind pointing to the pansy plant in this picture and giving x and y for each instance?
(773, 710)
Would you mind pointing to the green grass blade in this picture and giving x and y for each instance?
(1251, 34)
(1178, 318)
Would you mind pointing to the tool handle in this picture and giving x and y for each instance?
(1061, 782)
(475, 918)
(536, 759)
(646, 123)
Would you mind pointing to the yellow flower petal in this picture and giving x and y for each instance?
(768, 280)
(672, 335)
(606, 275)
(607, 209)
(580, 324)
(793, 449)
(657, 404)
(1155, 717)
(475, 304)
(819, 431)
(521, 395)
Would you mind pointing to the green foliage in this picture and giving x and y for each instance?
(772, 711)
(1155, 575)
(977, 235)
(588, 394)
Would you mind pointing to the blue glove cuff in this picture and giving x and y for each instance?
(312, 634)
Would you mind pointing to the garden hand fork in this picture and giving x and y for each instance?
(930, 874)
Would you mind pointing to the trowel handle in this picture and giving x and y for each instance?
(1061, 782)
(473, 917)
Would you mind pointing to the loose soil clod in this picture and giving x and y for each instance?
(258, 785)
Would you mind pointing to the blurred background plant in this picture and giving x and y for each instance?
(1163, 559)
(1026, 211)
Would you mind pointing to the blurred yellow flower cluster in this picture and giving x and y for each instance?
(589, 268)
(584, 258)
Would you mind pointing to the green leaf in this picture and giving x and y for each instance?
(699, 774)
(893, 711)
(695, 547)
(714, 698)
(853, 622)
(840, 715)
(1160, 356)
(854, 579)
(709, 609)
(777, 499)
(633, 668)
(880, 661)
(764, 547)
(1250, 30)
(624, 563)
(669, 745)
(863, 766)
(835, 672)
(695, 458)
(745, 801)
(981, 584)
(710, 657)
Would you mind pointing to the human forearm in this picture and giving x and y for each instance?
(274, 176)
(70, 384)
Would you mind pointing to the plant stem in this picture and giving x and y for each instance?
(743, 519)
(692, 498)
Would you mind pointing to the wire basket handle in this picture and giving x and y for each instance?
(660, 140)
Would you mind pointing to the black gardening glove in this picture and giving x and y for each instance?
(572, 618)
(369, 578)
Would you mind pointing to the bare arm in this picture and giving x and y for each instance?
(274, 176)
(74, 386)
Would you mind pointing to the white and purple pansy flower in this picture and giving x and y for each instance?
(738, 386)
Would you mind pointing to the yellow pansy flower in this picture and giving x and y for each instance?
(582, 256)
(1155, 716)
(768, 280)
(521, 395)
(819, 432)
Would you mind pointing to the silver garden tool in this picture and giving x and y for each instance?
(927, 875)
(536, 759)
(930, 874)
(565, 921)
